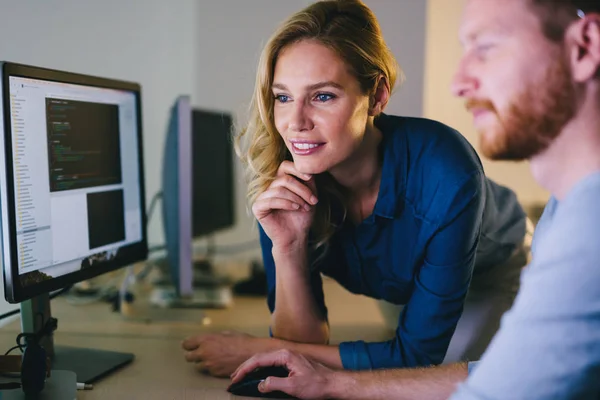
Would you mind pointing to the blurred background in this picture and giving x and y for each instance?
(209, 50)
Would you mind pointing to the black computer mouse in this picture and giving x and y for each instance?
(248, 386)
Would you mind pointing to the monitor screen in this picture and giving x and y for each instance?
(212, 172)
(71, 178)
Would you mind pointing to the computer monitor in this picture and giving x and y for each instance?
(198, 182)
(177, 196)
(71, 193)
(213, 200)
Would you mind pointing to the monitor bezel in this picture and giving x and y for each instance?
(14, 291)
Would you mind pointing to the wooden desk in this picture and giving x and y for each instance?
(159, 370)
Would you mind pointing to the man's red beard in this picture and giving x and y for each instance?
(533, 119)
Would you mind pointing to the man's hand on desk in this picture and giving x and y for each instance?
(307, 379)
(310, 380)
(219, 354)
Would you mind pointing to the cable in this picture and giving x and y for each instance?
(52, 296)
(13, 348)
(46, 330)
(153, 202)
(34, 365)
(9, 314)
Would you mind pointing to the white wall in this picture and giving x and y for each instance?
(208, 49)
(443, 51)
(149, 41)
(226, 66)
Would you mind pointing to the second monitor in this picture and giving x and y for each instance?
(198, 201)
(213, 207)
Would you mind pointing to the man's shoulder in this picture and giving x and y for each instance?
(583, 199)
(564, 274)
(575, 220)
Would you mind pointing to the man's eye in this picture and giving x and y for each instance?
(484, 48)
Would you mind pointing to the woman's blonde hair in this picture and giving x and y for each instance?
(350, 29)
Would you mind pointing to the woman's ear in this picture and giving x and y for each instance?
(378, 100)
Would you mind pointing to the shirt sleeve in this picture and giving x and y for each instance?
(316, 281)
(548, 345)
(429, 319)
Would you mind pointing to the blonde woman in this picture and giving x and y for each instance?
(394, 208)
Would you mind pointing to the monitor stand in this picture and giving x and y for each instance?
(204, 275)
(88, 364)
(60, 385)
(209, 291)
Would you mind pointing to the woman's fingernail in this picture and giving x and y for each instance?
(313, 200)
(307, 207)
(261, 385)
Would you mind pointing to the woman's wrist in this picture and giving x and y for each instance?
(293, 249)
(262, 345)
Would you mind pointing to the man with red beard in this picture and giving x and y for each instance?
(530, 75)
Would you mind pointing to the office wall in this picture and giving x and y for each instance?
(208, 49)
(443, 51)
(229, 48)
(149, 41)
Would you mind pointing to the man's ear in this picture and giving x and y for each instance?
(583, 42)
(379, 99)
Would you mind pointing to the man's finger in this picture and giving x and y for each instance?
(256, 361)
(273, 383)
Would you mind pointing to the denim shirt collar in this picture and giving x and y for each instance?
(391, 188)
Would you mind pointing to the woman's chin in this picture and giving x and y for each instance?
(304, 166)
(308, 169)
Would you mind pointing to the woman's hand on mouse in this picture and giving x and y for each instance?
(219, 354)
(307, 379)
(286, 209)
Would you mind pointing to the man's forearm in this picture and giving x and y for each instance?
(430, 383)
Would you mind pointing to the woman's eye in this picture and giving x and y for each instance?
(282, 98)
(323, 97)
